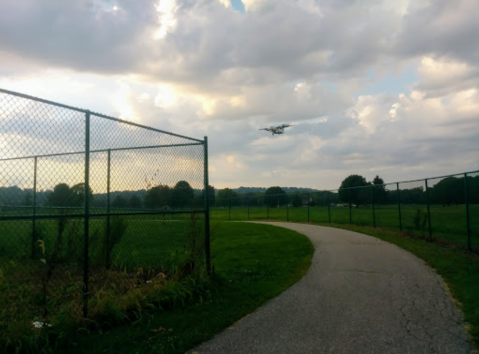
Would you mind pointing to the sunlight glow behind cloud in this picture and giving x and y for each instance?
(367, 86)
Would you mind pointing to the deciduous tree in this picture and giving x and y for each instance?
(347, 191)
(158, 197)
(275, 196)
(182, 195)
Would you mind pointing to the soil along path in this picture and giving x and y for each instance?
(361, 295)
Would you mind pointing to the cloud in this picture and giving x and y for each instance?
(451, 30)
(442, 76)
(201, 68)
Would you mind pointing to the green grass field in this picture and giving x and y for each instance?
(49, 280)
(251, 267)
(448, 224)
(46, 284)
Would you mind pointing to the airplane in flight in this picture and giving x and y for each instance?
(278, 129)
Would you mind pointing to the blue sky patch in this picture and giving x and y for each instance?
(238, 6)
(391, 84)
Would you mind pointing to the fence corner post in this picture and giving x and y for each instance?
(86, 223)
(34, 206)
(207, 209)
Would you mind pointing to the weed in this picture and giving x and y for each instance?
(420, 221)
(117, 228)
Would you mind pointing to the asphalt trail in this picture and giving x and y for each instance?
(361, 295)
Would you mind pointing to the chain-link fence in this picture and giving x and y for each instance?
(93, 210)
(440, 209)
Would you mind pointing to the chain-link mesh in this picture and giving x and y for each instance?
(92, 207)
(472, 209)
(412, 201)
(448, 210)
(445, 212)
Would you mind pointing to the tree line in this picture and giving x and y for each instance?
(448, 191)
(180, 196)
(354, 189)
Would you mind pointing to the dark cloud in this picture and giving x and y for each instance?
(85, 35)
(442, 28)
(299, 62)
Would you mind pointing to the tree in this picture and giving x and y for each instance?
(119, 202)
(227, 197)
(211, 196)
(182, 195)
(78, 195)
(275, 196)
(473, 188)
(27, 199)
(349, 193)
(134, 202)
(60, 196)
(296, 200)
(448, 191)
(380, 194)
(158, 197)
(409, 196)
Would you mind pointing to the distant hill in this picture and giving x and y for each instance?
(242, 190)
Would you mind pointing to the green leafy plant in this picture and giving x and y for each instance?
(420, 220)
(118, 226)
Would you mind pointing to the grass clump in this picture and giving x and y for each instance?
(42, 296)
(251, 266)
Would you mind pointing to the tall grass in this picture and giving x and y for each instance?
(139, 265)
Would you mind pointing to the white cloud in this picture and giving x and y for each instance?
(167, 17)
(443, 76)
(199, 68)
(225, 3)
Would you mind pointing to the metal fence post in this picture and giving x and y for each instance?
(428, 210)
(247, 202)
(468, 221)
(108, 253)
(399, 206)
(34, 206)
(373, 206)
(267, 210)
(308, 205)
(207, 209)
(350, 211)
(329, 207)
(86, 225)
(287, 211)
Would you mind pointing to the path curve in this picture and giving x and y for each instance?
(361, 295)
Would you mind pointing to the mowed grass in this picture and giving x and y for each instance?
(146, 240)
(46, 284)
(253, 263)
(448, 223)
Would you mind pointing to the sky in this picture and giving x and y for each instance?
(388, 88)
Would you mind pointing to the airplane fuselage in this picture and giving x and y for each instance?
(276, 130)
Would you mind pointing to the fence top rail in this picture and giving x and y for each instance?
(336, 190)
(99, 151)
(33, 98)
(399, 182)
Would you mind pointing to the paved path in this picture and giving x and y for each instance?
(361, 295)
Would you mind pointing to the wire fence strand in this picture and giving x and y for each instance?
(92, 209)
